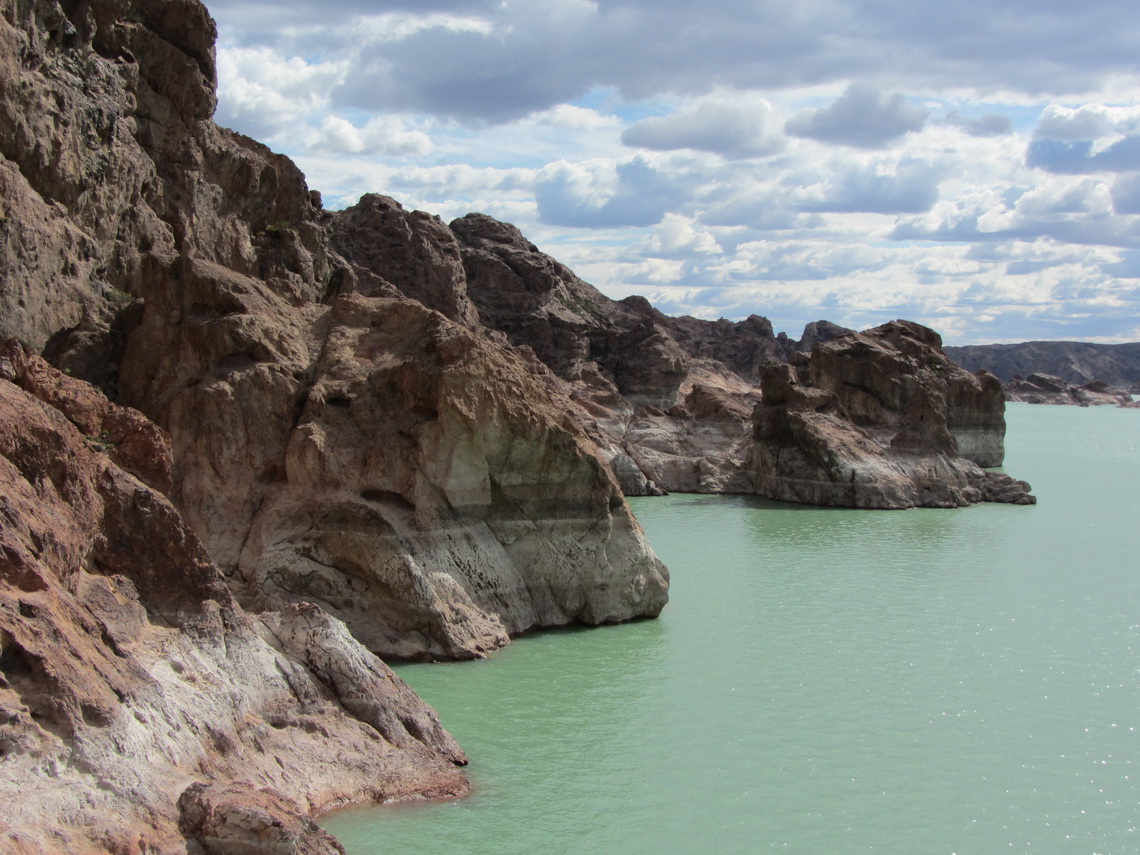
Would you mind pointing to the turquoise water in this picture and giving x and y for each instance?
(828, 681)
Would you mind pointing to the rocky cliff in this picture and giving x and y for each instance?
(882, 419)
(141, 709)
(668, 400)
(339, 446)
(331, 435)
(332, 442)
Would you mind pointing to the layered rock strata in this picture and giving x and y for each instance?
(882, 419)
(438, 494)
(422, 429)
(141, 709)
(379, 455)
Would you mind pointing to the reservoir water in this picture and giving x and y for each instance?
(828, 682)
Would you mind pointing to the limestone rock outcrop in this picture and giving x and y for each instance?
(882, 420)
(141, 709)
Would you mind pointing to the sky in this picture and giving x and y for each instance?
(973, 166)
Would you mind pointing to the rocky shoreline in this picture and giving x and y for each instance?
(140, 706)
(249, 446)
(1072, 362)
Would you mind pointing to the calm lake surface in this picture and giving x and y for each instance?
(828, 681)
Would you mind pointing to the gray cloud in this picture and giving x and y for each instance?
(1126, 194)
(911, 188)
(729, 129)
(1127, 268)
(464, 75)
(558, 49)
(1077, 157)
(486, 63)
(642, 198)
(1088, 229)
(762, 213)
(1085, 123)
(862, 116)
(266, 18)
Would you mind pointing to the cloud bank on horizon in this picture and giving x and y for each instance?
(972, 166)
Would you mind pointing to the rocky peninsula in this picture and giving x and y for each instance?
(248, 445)
(882, 419)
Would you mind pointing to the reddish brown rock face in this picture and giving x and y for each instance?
(884, 420)
(129, 674)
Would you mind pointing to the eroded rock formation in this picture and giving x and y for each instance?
(212, 304)
(439, 496)
(882, 420)
(140, 707)
(669, 399)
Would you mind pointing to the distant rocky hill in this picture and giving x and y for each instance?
(247, 444)
(1047, 389)
(1074, 362)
